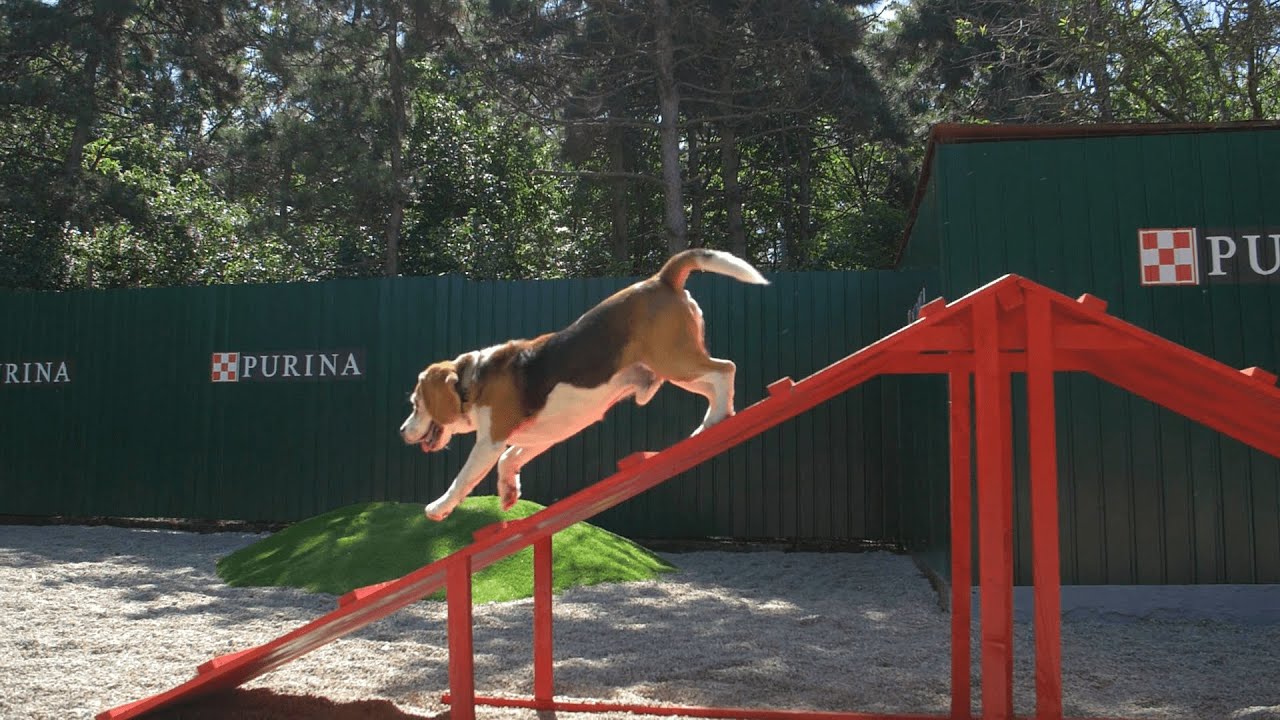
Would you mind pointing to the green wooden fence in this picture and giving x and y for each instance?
(109, 407)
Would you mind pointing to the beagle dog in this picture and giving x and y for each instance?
(524, 396)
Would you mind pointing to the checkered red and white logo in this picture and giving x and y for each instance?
(226, 367)
(1169, 256)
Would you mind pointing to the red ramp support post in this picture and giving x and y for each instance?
(462, 675)
(995, 511)
(543, 642)
(1046, 574)
(961, 546)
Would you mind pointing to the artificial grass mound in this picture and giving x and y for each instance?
(368, 543)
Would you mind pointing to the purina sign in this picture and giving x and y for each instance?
(1193, 256)
(40, 372)
(236, 366)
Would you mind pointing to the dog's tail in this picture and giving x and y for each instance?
(677, 269)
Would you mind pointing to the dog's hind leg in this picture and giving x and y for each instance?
(645, 381)
(509, 466)
(716, 385)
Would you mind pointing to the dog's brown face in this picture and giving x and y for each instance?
(437, 408)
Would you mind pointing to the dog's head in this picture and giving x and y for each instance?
(437, 408)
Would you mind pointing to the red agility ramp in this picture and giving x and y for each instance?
(1009, 326)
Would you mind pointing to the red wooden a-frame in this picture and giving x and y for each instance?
(1011, 325)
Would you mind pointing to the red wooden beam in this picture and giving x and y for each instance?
(543, 638)
(462, 677)
(1046, 573)
(995, 529)
(961, 421)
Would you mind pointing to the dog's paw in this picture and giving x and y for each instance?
(509, 499)
(437, 511)
(510, 494)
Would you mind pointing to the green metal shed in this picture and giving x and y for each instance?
(1178, 228)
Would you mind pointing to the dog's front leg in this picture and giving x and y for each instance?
(482, 459)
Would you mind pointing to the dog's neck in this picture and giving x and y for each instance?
(467, 368)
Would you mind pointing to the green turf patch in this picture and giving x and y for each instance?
(368, 543)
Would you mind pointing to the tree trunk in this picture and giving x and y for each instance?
(1101, 74)
(804, 201)
(669, 128)
(620, 238)
(697, 185)
(106, 27)
(395, 72)
(285, 190)
(1255, 41)
(729, 169)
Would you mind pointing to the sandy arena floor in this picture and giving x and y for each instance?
(95, 617)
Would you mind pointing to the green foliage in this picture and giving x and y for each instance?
(161, 142)
(369, 543)
(481, 207)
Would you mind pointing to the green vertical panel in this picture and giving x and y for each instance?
(752, 346)
(1185, 199)
(853, 507)
(803, 427)
(1107, 240)
(399, 342)
(1261, 311)
(1102, 487)
(872, 510)
(771, 440)
(1193, 505)
(826, 445)
(201, 324)
(725, 300)
(840, 469)
(383, 483)
(1027, 248)
(1056, 199)
(1155, 491)
(738, 486)
(789, 340)
(1246, 485)
(959, 240)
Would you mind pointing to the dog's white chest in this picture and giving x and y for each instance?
(569, 409)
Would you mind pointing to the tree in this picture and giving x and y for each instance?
(672, 96)
(70, 70)
(1092, 60)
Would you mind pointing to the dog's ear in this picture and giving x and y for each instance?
(440, 386)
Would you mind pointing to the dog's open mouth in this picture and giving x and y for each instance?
(428, 441)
